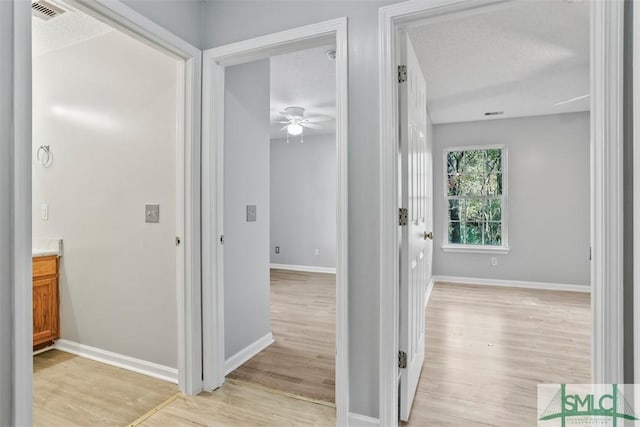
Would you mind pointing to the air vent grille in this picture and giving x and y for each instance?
(494, 113)
(44, 10)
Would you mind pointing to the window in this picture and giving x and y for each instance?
(475, 193)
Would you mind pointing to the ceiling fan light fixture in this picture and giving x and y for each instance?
(294, 129)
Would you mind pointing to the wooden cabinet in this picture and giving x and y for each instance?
(46, 318)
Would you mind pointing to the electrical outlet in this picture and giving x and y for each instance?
(251, 213)
(494, 261)
(152, 213)
(44, 212)
(277, 249)
(316, 252)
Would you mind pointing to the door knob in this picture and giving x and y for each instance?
(428, 235)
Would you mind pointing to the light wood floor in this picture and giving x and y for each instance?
(487, 349)
(241, 405)
(73, 391)
(302, 359)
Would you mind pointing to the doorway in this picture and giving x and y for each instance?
(105, 187)
(187, 122)
(401, 19)
(217, 62)
(287, 277)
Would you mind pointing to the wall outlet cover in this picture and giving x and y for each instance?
(152, 213)
(252, 213)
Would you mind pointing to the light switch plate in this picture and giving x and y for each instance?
(151, 213)
(251, 213)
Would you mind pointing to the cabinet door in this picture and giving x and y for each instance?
(45, 310)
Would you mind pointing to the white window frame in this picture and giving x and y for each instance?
(454, 247)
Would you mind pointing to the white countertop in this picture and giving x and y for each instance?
(46, 247)
(36, 252)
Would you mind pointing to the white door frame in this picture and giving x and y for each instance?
(116, 14)
(21, 246)
(636, 194)
(215, 62)
(606, 185)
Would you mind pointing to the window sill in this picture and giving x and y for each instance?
(476, 249)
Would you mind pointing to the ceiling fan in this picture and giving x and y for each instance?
(295, 122)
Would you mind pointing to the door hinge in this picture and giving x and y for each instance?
(402, 360)
(178, 241)
(221, 239)
(402, 73)
(403, 216)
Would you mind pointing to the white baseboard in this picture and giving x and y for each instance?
(429, 289)
(43, 350)
(307, 268)
(357, 420)
(513, 283)
(232, 363)
(119, 360)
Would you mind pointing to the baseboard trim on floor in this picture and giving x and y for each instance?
(513, 284)
(429, 289)
(232, 363)
(306, 268)
(140, 366)
(357, 420)
(44, 350)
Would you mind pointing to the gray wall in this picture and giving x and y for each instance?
(246, 244)
(15, 205)
(548, 199)
(303, 201)
(230, 21)
(6, 207)
(118, 273)
(182, 17)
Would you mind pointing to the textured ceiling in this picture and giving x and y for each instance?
(521, 58)
(65, 30)
(304, 79)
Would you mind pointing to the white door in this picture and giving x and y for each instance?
(416, 246)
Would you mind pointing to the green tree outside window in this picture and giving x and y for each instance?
(474, 196)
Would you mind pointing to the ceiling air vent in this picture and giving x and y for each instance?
(44, 10)
(494, 113)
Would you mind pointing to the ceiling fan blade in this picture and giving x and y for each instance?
(318, 119)
(287, 122)
(311, 125)
(567, 101)
(284, 127)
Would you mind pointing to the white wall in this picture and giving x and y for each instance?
(230, 21)
(548, 199)
(303, 201)
(107, 108)
(246, 244)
